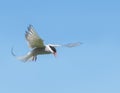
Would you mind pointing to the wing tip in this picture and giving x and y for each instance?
(29, 27)
(73, 44)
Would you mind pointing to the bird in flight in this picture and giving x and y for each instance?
(38, 47)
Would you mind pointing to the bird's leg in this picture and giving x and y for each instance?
(34, 58)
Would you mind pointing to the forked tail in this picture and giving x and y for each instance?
(28, 57)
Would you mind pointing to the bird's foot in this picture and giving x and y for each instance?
(34, 58)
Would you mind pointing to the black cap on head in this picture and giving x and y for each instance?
(53, 48)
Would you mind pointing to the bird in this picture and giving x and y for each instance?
(36, 43)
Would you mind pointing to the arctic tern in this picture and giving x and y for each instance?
(38, 47)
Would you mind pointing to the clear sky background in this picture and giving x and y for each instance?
(93, 67)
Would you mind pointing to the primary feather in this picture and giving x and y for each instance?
(33, 39)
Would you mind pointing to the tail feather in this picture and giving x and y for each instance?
(28, 57)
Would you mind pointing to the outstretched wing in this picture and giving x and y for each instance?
(33, 39)
(73, 44)
(67, 45)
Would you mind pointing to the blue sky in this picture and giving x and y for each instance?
(90, 68)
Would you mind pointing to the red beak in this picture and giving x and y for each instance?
(55, 54)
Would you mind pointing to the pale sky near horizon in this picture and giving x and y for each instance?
(93, 67)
